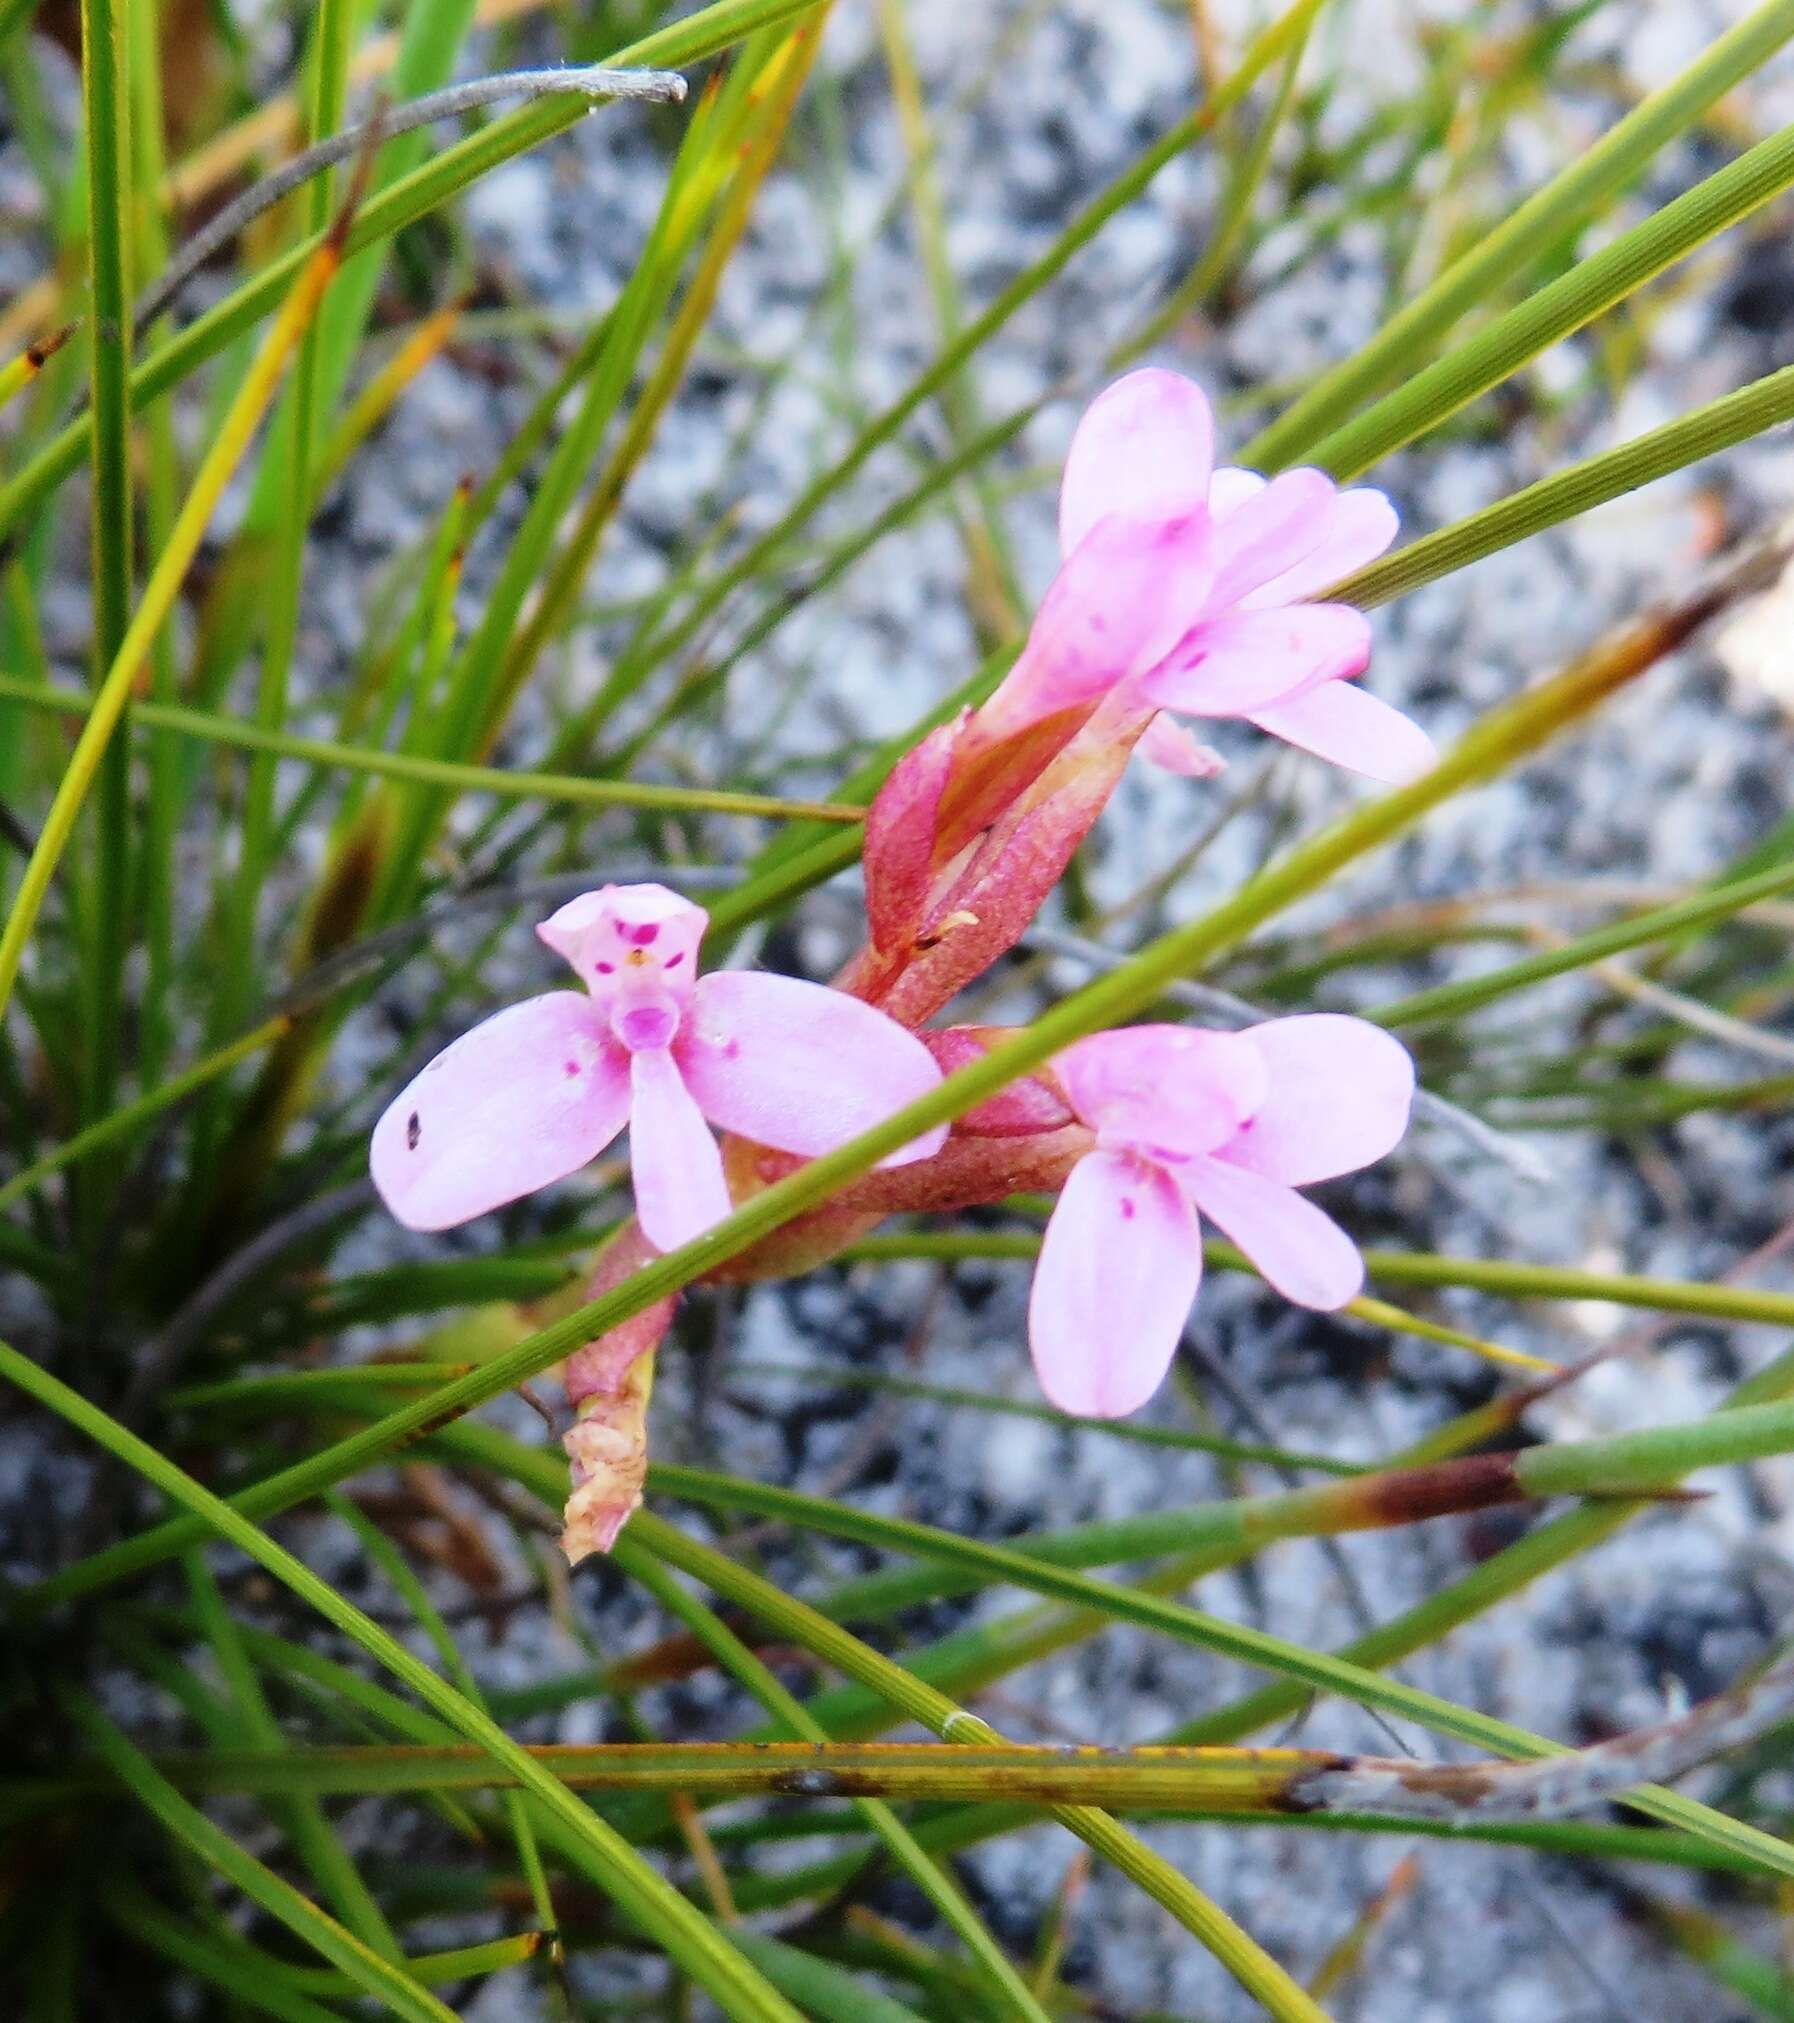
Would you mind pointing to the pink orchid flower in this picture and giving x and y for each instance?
(1187, 589)
(537, 1091)
(1227, 1125)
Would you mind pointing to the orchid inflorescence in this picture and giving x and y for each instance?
(1184, 591)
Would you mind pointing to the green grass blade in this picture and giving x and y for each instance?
(827, 1993)
(687, 1936)
(385, 1981)
(1660, 923)
(705, 33)
(105, 109)
(250, 1978)
(1526, 235)
(310, 1831)
(287, 472)
(165, 579)
(1580, 487)
(1267, 48)
(1237, 1952)
(1313, 1670)
(566, 789)
(1544, 318)
(1005, 1985)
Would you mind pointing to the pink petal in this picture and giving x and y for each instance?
(1238, 664)
(1340, 1093)
(679, 1187)
(1121, 601)
(524, 1099)
(1302, 1252)
(1360, 524)
(1343, 722)
(1143, 451)
(1230, 488)
(801, 1067)
(1163, 1088)
(1166, 743)
(600, 932)
(1268, 534)
(1118, 1272)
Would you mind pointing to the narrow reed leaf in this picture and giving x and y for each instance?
(332, 146)
(1314, 1670)
(1267, 48)
(1577, 489)
(226, 451)
(377, 398)
(566, 789)
(1440, 390)
(750, 146)
(387, 212)
(313, 1837)
(1005, 1986)
(962, 1245)
(386, 1981)
(827, 1992)
(386, 1555)
(123, 1123)
(288, 455)
(949, 1831)
(251, 1977)
(813, 1376)
(1526, 236)
(1217, 1782)
(1637, 930)
(1433, 1268)
(105, 103)
(1249, 1964)
(1513, 1280)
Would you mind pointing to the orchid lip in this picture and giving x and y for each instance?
(645, 1028)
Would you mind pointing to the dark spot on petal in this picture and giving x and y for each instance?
(673, 961)
(414, 1130)
(1127, 1208)
(606, 968)
(570, 1067)
(644, 934)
